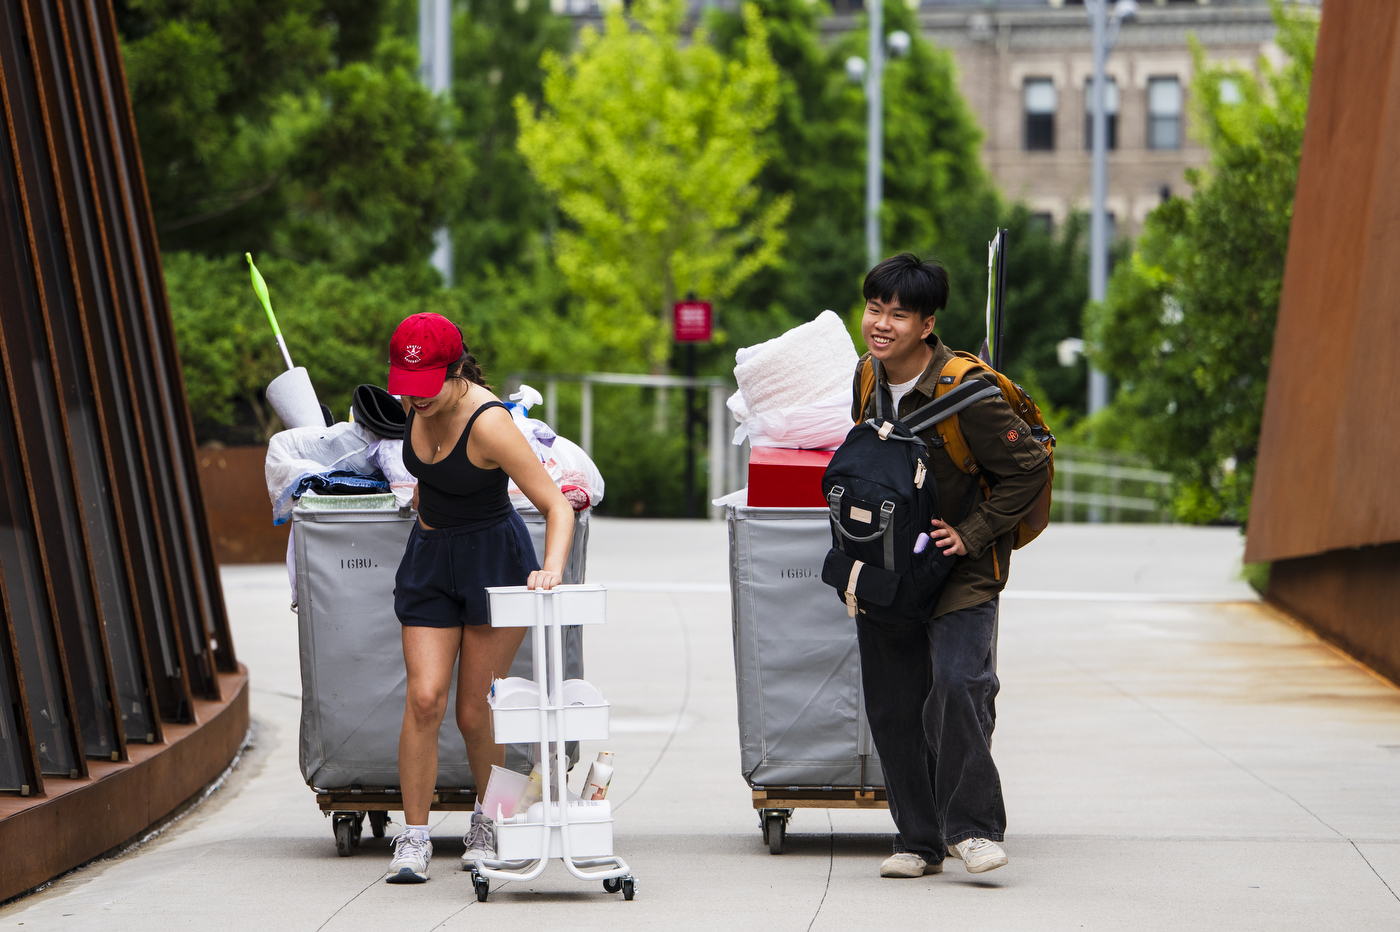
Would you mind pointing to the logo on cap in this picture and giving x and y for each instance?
(412, 354)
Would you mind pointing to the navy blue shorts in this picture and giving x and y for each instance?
(442, 579)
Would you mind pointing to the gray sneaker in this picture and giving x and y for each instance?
(480, 841)
(411, 856)
(908, 864)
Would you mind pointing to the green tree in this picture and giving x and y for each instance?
(1188, 325)
(497, 46)
(648, 144)
(337, 326)
(301, 130)
(938, 202)
(266, 125)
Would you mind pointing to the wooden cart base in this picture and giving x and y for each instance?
(775, 806)
(347, 810)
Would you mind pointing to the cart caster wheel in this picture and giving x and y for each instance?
(482, 887)
(357, 826)
(629, 888)
(613, 885)
(774, 832)
(344, 844)
(377, 823)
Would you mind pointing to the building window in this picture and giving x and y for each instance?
(1163, 113)
(1110, 108)
(1041, 103)
(1043, 221)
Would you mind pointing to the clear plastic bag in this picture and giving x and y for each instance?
(822, 425)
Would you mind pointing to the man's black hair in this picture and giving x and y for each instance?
(920, 285)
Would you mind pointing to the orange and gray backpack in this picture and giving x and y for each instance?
(959, 368)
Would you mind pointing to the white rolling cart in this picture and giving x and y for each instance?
(579, 832)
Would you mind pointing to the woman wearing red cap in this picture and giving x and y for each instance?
(463, 447)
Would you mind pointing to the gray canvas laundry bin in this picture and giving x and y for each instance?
(801, 708)
(354, 684)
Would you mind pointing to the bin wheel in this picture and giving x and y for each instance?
(613, 885)
(344, 845)
(482, 887)
(357, 827)
(377, 822)
(629, 888)
(777, 829)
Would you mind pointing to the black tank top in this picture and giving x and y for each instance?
(454, 492)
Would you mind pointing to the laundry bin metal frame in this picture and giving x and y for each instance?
(804, 739)
(354, 685)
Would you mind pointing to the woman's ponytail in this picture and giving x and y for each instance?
(467, 369)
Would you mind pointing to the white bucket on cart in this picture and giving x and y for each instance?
(590, 832)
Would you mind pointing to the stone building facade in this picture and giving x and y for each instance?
(1025, 67)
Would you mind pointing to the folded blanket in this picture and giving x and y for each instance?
(330, 482)
(807, 364)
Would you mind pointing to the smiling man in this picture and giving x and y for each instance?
(930, 689)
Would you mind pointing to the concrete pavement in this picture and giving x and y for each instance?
(1174, 755)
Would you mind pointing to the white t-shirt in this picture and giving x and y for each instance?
(899, 389)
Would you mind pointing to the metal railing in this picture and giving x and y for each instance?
(1102, 484)
(727, 478)
(1090, 485)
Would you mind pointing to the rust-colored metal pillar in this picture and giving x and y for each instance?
(120, 694)
(1326, 506)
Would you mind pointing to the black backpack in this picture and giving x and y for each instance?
(882, 496)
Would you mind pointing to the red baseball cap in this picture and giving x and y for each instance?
(422, 348)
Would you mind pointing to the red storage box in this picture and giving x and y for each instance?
(780, 478)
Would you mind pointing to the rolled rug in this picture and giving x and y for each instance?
(378, 412)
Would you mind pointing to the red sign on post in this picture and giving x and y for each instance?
(692, 321)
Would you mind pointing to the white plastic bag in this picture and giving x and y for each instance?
(387, 455)
(822, 425)
(291, 454)
(572, 470)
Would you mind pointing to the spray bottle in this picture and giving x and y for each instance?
(599, 776)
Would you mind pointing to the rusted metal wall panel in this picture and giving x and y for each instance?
(1350, 598)
(1328, 449)
(235, 500)
(115, 652)
(84, 819)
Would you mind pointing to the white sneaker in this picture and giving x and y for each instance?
(480, 841)
(979, 854)
(908, 864)
(411, 856)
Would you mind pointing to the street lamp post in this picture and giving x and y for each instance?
(1105, 32)
(435, 71)
(874, 132)
(871, 73)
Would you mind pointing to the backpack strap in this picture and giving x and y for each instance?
(867, 383)
(877, 370)
(954, 373)
(851, 604)
(948, 404)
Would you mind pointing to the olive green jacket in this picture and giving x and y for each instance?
(1017, 468)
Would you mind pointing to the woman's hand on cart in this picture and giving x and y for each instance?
(543, 579)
